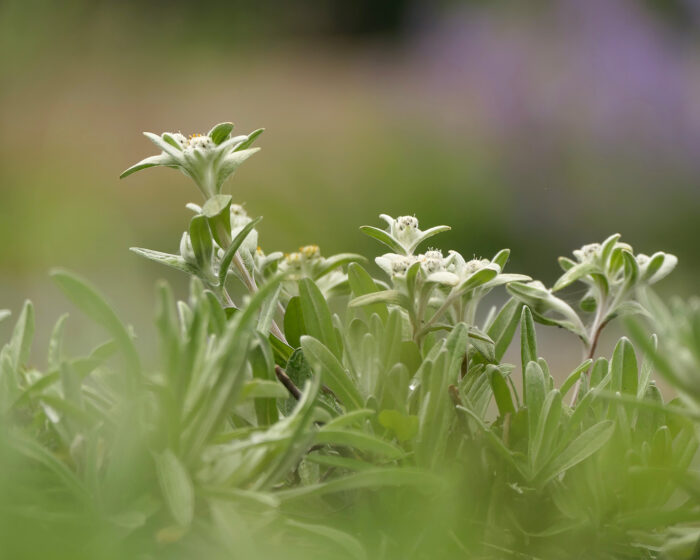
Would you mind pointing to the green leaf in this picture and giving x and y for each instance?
(34, 451)
(660, 265)
(282, 351)
(392, 386)
(627, 308)
(218, 213)
(56, 343)
(341, 540)
(660, 360)
(566, 263)
(231, 249)
(573, 274)
(607, 247)
(547, 428)
(427, 234)
(631, 268)
(217, 315)
(325, 364)
(331, 263)
(231, 162)
(171, 150)
(263, 366)
(574, 376)
(21, 341)
(90, 302)
(435, 412)
(646, 369)
(501, 258)
(601, 371)
(534, 394)
(493, 440)
(177, 487)
(226, 367)
(294, 327)
(528, 343)
(4, 314)
(623, 368)
(151, 161)
(585, 445)
(173, 261)
(404, 427)
(361, 283)
(480, 277)
(220, 132)
(501, 391)
(317, 315)
(483, 344)
(371, 478)
(350, 418)
(358, 440)
(268, 310)
(542, 302)
(502, 279)
(251, 138)
(388, 297)
(384, 237)
(503, 327)
(200, 235)
(169, 138)
(262, 389)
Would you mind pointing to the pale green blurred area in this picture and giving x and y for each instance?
(357, 124)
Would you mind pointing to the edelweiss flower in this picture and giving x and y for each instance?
(587, 253)
(395, 265)
(464, 269)
(208, 160)
(655, 267)
(432, 261)
(303, 263)
(403, 235)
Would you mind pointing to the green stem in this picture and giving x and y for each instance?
(597, 327)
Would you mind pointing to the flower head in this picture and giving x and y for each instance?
(207, 159)
(402, 235)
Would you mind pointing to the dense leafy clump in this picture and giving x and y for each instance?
(332, 414)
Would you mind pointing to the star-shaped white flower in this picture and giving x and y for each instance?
(208, 160)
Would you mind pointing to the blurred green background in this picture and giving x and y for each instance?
(538, 126)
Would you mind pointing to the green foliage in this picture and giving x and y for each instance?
(327, 413)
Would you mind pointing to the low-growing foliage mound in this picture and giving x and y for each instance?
(329, 413)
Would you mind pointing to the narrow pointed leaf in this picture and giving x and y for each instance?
(177, 487)
(317, 315)
(427, 234)
(90, 302)
(151, 161)
(168, 259)
(384, 237)
(235, 245)
(220, 132)
(22, 336)
(361, 283)
(333, 374)
(585, 445)
(249, 142)
(623, 368)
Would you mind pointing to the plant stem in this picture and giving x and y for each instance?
(430, 322)
(597, 327)
(287, 382)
